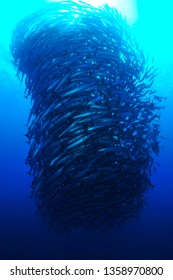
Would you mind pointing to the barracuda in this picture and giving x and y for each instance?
(93, 127)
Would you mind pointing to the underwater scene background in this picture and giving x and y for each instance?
(23, 235)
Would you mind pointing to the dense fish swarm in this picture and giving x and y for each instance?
(93, 128)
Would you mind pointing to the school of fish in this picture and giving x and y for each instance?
(94, 123)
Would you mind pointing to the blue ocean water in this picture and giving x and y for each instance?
(23, 235)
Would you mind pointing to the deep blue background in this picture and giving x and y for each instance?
(22, 233)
